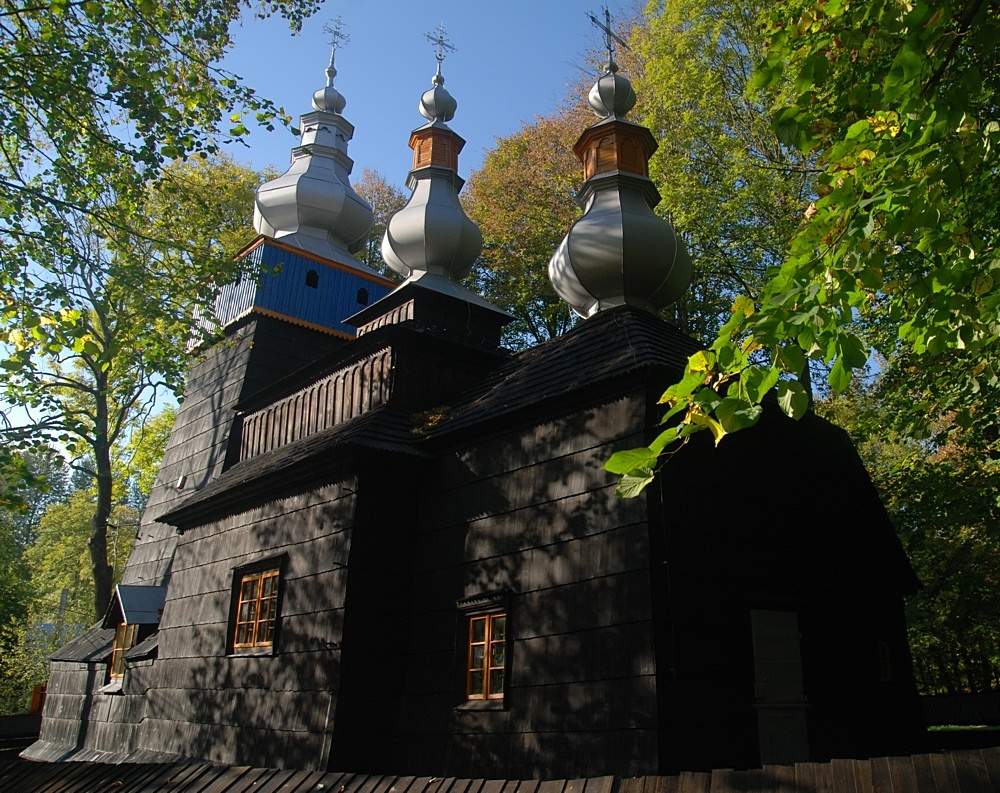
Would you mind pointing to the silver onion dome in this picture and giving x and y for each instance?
(436, 104)
(620, 252)
(431, 239)
(612, 94)
(312, 205)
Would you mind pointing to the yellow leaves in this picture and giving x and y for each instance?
(982, 284)
(883, 121)
(744, 305)
(703, 420)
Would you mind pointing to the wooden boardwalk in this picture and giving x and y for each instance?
(969, 771)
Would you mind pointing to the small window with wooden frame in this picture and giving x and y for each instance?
(124, 640)
(255, 606)
(484, 640)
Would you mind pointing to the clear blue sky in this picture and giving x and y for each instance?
(514, 60)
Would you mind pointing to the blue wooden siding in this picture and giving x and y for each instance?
(282, 289)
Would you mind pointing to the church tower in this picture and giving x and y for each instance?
(292, 313)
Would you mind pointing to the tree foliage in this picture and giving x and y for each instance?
(524, 200)
(729, 185)
(46, 587)
(898, 105)
(386, 200)
(98, 96)
(88, 349)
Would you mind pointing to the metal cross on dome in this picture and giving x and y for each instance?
(338, 37)
(440, 40)
(610, 37)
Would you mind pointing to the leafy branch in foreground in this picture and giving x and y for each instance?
(899, 103)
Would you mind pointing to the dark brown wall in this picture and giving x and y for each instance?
(269, 709)
(256, 355)
(782, 517)
(533, 511)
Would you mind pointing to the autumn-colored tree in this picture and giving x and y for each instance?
(385, 200)
(524, 200)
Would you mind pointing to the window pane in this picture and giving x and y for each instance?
(498, 625)
(479, 629)
(477, 656)
(497, 654)
(476, 684)
(496, 682)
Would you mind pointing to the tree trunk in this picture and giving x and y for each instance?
(98, 542)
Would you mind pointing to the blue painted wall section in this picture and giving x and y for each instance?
(301, 289)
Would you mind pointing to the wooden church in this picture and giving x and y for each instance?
(380, 542)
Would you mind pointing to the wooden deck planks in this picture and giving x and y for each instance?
(970, 771)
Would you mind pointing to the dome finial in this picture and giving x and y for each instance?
(437, 104)
(329, 98)
(612, 94)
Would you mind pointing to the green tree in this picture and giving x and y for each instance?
(137, 462)
(385, 200)
(728, 184)
(898, 103)
(102, 95)
(524, 200)
(88, 353)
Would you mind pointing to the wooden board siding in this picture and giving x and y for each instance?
(329, 401)
(787, 550)
(198, 449)
(533, 510)
(242, 708)
(970, 771)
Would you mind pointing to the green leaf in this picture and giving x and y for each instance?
(707, 400)
(792, 359)
(857, 128)
(624, 461)
(840, 375)
(661, 441)
(792, 398)
(737, 414)
(633, 483)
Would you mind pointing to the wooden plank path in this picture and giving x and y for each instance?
(967, 771)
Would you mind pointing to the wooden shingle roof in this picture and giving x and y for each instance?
(601, 350)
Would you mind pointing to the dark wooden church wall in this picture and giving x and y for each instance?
(789, 546)
(71, 692)
(259, 353)
(532, 510)
(266, 708)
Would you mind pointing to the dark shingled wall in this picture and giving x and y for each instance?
(531, 510)
(254, 356)
(809, 536)
(239, 708)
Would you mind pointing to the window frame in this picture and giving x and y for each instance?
(485, 608)
(272, 568)
(125, 638)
